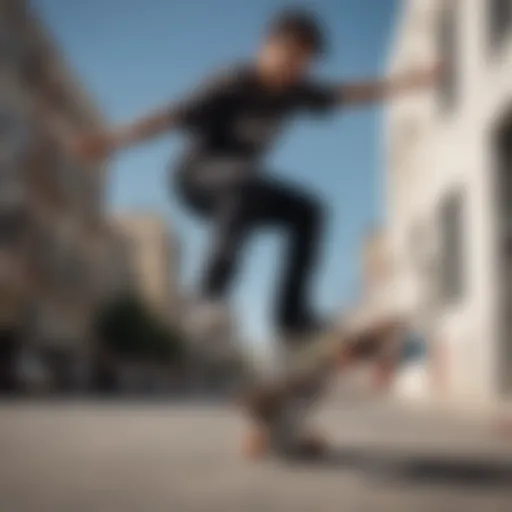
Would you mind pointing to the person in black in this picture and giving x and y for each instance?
(232, 120)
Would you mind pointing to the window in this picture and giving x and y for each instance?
(85, 188)
(33, 69)
(452, 251)
(11, 47)
(13, 225)
(502, 149)
(14, 137)
(503, 179)
(14, 12)
(418, 246)
(54, 95)
(62, 263)
(500, 21)
(448, 43)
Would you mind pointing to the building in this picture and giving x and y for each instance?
(51, 206)
(218, 358)
(449, 194)
(378, 298)
(215, 360)
(377, 268)
(153, 255)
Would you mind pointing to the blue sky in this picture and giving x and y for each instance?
(135, 55)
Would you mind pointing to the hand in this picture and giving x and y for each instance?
(93, 148)
(421, 79)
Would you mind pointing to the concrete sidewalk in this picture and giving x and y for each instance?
(107, 457)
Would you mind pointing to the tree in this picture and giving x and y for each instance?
(127, 328)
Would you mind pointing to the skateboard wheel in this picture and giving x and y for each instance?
(256, 444)
(312, 447)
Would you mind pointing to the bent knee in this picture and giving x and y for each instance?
(313, 211)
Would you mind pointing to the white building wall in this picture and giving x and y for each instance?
(432, 153)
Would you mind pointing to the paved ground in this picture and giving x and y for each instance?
(102, 457)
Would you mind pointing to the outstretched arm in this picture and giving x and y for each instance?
(364, 92)
(99, 146)
(143, 129)
(187, 113)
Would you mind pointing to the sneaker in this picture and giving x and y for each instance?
(207, 318)
(309, 328)
(308, 447)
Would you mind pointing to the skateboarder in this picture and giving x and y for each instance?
(232, 119)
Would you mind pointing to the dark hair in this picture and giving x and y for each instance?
(302, 26)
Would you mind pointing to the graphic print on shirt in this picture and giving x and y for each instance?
(258, 131)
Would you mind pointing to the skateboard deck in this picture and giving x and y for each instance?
(314, 364)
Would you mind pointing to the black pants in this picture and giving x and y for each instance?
(239, 200)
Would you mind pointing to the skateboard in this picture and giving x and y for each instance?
(277, 408)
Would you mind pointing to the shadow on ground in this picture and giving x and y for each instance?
(422, 469)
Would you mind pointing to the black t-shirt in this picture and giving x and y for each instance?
(234, 115)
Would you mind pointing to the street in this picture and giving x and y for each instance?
(108, 457)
